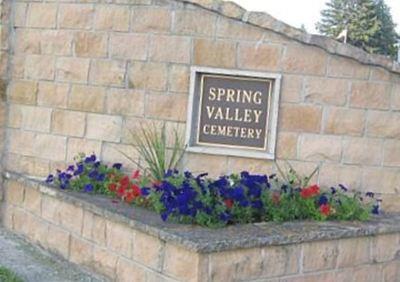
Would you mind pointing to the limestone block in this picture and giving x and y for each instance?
(104, 127)
(87, 98)
(68, 123)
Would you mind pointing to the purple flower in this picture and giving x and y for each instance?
(370, 194)
(93, 174)
(79, 170)
(117, 166)
(257, 204)
(344, 188)
(64, 184)
(50, 178)
(188, 174)
(164, 216)
(145, 191)
(323, 200)
(375, 209)
(71, 168)
(90, 159)
(101, 177)
(88, 187)
(225, 216)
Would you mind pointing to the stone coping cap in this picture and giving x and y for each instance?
(205, 240)
(263, 20)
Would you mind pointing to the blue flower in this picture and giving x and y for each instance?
(164, 216)
(244, 203)
(79, 170)
(188, 174)
(145, 191)
(168, 173)
(375, 209)
(50, 178)
(71, 168)
(370, 194)
(101, 177)
(238, 194)
(202, 175)
(88, 188)
(255, 191)
(333, 190)
(222, 182)
(90, 159)
(117, 166)
(225, 216)
(257, 204)
(344, 188)
(93, 174)
(64, 184)
(323, 200)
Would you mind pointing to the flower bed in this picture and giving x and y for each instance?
(230, 199)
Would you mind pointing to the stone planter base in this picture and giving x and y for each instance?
(132, 244)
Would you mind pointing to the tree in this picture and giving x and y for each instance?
(369, 24)
(387, 32)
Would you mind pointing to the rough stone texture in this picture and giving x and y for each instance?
(82, 73)
(87, 69)
(214, 53)
(125, 243)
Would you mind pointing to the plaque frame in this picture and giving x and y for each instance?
(193, 114)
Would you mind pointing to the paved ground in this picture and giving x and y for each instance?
(34, 265)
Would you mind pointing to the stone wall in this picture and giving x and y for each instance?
(114, 246)
(5, 13)
(85, 73)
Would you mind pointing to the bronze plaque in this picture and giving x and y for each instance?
(234, 111)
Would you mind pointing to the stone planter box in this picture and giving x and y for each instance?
(132, 244)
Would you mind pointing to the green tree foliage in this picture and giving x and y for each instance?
(369, 24)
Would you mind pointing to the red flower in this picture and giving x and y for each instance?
(124, 182)
(325, 209)
(228, 203)
(121, 191)
(310, 191)
(136, 191)
(112, 187)
(129, 197)
(136, 174)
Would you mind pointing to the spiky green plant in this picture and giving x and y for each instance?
(152, 144)
(293, 178)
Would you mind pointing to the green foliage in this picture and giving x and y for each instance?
(95, 174)
(349, 208)
(387, 32)
(7, 275)
(292, 177)
(369, 24)
(230, 199)
(152, 145)
(88, 174)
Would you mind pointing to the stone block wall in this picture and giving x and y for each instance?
(83, 74)
(5, 13)
(99, 241)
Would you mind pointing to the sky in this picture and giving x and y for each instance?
(307, 12)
